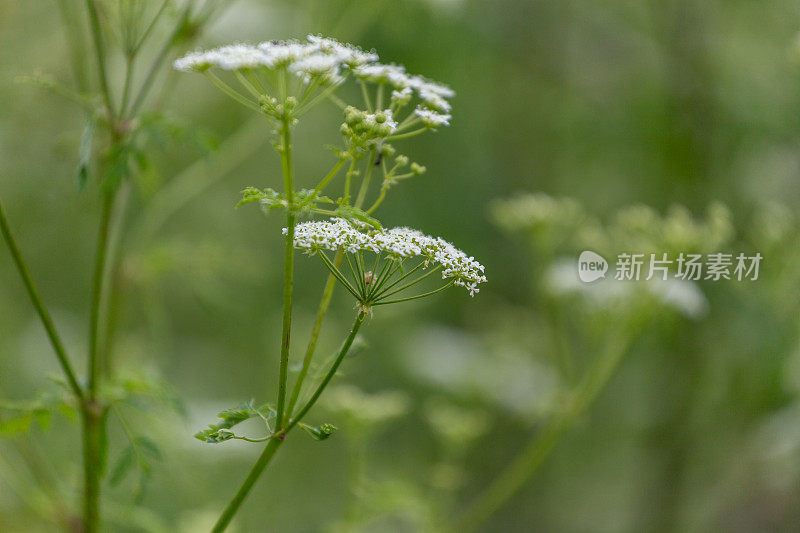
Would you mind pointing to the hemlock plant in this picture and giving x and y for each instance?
(282, 81)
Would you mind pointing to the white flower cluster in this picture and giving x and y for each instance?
(431, 118)
(325, 59)
(434, 95)
(317, 57)
(397, 243)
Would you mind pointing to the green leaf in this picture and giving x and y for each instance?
(220, 432)
(15, 425)
(214, 435)
(149, 448)
(18, 416)
(321, 432)
(122, 466)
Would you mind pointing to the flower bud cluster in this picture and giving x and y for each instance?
(363, 128)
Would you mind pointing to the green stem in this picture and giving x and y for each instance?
(155, 66)
(92, 444)
(406, 135)
(288, 269)
(323, 182)
(417, 297)
(97, 38)
(385, 292)
(362, 191)
(97, 292)
(522, 468)
(278, 438)
(322, 310)
(255, 472)
(332, 372)
(41, 310)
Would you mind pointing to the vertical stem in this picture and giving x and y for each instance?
(362, 191)
(97, 291)
(92, 438)
(288, 269)
(41, 310)
(97, 37)
(331, 372)
(322, 310)
(278, 438)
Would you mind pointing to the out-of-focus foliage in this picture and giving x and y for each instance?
(610, 126)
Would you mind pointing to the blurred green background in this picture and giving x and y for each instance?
(612, 104)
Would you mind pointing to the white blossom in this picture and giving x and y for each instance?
(347, 53)
(318, 65)
(431, 118)
(231, 57)
(432, 94)
(396, 243)
(384, 117)
(318, 56)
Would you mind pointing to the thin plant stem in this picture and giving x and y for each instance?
(378, 201)
(263, 460)
(417, 297)
(227, 89)
(288, 268)
(149, 29)
(407, 134)
(277, 439)
(155, 66)
(97, 292)
(97, 38)
(523, 467)
(331, 372)
(322, 310)
(338, 275)
(362, 191)
(386, 294)
(323, 182)
(92, 419)
(41, 310)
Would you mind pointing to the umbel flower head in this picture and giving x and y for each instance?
(320, 64)
(393, 248)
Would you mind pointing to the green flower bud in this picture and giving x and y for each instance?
(417, 169)
(353, 115)
(380, 117)
(387, 150)
(401, 160)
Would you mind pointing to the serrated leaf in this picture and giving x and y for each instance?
(220, 432)
(214, 435)
(321, 432)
